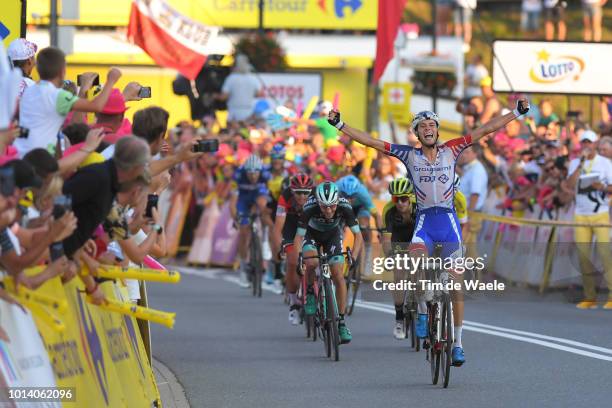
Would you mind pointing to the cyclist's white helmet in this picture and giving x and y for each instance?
(327, 193)
(253, 163)
(424, 115)
(457, 181)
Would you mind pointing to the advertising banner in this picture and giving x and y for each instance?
(552, 67)
(225, 243)
(298, 88)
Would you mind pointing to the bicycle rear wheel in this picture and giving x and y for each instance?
(353, 281)
(446, 339)
(332, 318)
(433, 351)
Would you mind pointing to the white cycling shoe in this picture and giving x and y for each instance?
(399, 331)
(244, 280)
(277, 287)
(294, 316)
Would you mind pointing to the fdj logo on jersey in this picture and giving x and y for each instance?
(427, 179)
(340, 6)
(551, 69)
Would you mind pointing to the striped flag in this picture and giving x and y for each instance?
(171, 39)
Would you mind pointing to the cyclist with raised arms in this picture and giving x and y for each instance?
(251, 179)
(399, 217)
(288, 212)
(325, 215)
(431, 169)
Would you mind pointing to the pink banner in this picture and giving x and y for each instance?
(225, 241)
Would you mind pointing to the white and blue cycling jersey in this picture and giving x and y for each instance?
(434, 189)
(361, 202)
(248, 192)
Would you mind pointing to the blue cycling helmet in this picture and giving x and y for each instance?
(253, 163)
(349, 185)
(278, 151)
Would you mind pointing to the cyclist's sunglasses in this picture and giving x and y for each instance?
(301, 192)
(402, 199)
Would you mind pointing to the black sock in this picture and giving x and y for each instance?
(341, 318)
(399, 312)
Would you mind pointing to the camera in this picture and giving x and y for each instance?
(61, 205)
(151, 203)
(7, 181)
(144, 92)
(56, 250)
(23, 132)
(206, 146)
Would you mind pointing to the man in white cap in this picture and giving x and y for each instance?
(591, 176)
(22, 53)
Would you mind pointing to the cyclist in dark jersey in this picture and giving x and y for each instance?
(288, 212)
(321, 224)
(399, 218)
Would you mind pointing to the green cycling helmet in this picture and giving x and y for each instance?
(400, 186)
(327, 194)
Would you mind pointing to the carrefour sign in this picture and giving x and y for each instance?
(552, 67)
(323, 14)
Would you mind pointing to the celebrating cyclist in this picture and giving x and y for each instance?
(431, 169)
(288, 213)
(251, 179)
(399, 217)
(321, 224)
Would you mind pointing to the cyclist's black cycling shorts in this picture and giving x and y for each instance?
(290, 227)
(330, 241)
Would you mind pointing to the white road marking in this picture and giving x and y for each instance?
(518, 335)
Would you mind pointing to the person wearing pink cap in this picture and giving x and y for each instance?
(22, 53)
(111, 118)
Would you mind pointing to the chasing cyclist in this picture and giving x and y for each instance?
(431, 169)
(399, 217)
(251, 179)
(288, 212)
(321, 224)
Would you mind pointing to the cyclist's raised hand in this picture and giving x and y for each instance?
(522, 107)
(334, 119)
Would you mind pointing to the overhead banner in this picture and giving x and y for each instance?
(552, 67)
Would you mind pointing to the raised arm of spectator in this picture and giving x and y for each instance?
(58, 230)
(54, 269)
(98, 102)
(500, 121)
(183, 153)
(491, 107)
(137, 252)
(69, 164)
(358, 135)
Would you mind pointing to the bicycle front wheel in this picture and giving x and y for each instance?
(446, 339)
(434, 342)
(332, 319)
(353, 281)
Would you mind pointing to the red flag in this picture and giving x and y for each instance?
(171, 39)
(389, 18)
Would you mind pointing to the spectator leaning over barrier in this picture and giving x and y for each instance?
(591, 176)
(44, 106)
(93, 190)
(22, 53)
(474, 186)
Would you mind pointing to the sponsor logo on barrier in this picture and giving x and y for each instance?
(65, 359)
(551, 69)
(116, 345)
(92, 346)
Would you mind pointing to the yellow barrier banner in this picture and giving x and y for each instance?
(99, 353)
(10, 20)
(151, 275)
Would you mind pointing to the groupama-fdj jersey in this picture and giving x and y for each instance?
(326, 233)
(433, 186)
(248, 192)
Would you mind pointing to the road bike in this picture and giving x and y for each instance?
(256, 265)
